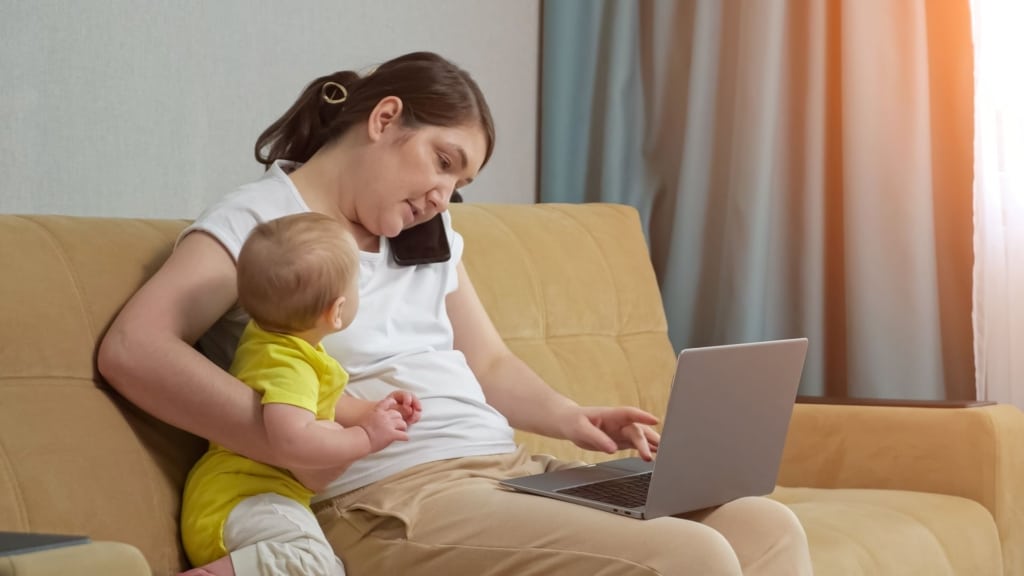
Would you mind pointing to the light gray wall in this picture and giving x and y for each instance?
(127, 108)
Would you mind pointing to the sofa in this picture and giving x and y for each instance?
(879, 489)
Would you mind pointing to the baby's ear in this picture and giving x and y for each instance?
(333, 313)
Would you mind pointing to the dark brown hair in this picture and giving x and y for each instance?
(433, 91)
(291, 270)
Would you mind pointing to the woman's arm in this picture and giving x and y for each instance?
(528, 402)
(509, 384)
(147, 354)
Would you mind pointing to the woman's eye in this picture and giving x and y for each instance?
(445, 163)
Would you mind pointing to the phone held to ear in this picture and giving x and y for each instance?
(425, 243)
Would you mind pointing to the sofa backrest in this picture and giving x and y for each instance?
(571, 289)
(76, 457)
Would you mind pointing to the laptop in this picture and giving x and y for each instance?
(723, 435)
(12, 543)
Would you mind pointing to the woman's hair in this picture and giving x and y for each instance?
(291, 269)
(433, 92)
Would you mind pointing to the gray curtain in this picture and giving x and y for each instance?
(801, 167)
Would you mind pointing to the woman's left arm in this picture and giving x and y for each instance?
(528, 402)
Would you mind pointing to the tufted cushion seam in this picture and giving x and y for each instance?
(587, 335)
(533, 274)
(15, 484)
(604, 261)
(64, 379)
(71, 271)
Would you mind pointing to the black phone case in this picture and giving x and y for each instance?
(423, 244)
(426, 243)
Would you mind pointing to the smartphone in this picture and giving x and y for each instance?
(425, 243)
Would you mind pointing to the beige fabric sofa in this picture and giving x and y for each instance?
(880, 490)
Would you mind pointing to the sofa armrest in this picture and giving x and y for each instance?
(846, 400)
(93, 559)
(976, 453)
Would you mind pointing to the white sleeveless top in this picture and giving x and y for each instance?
(401, 338)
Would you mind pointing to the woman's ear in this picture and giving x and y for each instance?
(333, 314)
(386, 114)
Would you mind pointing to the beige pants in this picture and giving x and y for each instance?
(451, 517)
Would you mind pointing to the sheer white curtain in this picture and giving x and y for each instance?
(999, 200)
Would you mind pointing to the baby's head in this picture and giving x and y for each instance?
(300, 272)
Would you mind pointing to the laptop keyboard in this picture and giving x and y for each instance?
(628, 492)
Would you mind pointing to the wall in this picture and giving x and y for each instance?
(127, 108)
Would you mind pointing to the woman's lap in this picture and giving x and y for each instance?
(452, 517)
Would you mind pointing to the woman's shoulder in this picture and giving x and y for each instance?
(273, 195)
(232, 218)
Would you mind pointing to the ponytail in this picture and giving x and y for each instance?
(433, 91)
(302, 130)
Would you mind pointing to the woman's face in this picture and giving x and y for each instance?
(407, 176)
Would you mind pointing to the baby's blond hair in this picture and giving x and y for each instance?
(291, 269)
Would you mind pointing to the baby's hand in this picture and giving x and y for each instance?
(384, 424)
(408, 405)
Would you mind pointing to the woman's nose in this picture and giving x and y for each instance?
(438, 198)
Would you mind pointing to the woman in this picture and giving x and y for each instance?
(385, 152)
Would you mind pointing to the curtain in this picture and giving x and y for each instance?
(801, 167)
(998, 199)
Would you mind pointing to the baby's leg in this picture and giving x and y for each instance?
(270, 534)
(220, 567)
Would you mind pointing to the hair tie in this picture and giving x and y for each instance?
(333, 93)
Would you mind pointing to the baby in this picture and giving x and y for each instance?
(298, 280)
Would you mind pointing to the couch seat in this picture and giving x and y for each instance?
(894, 532)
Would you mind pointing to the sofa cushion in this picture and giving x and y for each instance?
(894, 532)
(112, 558)
(74, 456)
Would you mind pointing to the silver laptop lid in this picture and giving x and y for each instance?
(726, 424)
